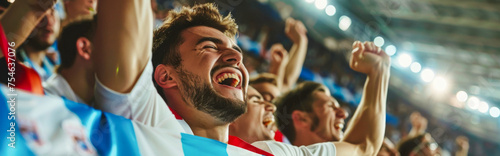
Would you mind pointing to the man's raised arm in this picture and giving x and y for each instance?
(296, 31)
(365, 134)
(123, 42)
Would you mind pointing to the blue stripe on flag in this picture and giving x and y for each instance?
(20, 145)
(110, 134)
(197, 146)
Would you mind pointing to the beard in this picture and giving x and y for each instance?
(37, 43)
(206, 99)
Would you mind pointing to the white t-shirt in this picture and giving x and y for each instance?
(143, 104)
(282, 149)
(57, 85)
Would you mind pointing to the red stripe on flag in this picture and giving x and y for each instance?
(177, 116)
(235, 141)
(25, 77)
(278, 136)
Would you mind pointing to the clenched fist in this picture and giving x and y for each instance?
(279, 54)
(295, 30)
(369, 59)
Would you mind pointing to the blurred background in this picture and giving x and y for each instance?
(445, 56)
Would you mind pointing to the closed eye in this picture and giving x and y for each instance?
(210, 46)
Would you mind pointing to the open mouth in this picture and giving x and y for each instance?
(268, 122)
(228, 79)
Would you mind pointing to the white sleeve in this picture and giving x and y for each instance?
(143, 104)
(282, 149)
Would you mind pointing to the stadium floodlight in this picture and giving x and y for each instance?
(415, 67)
(462, 96)
(344, 23)
(390, 50)
(483, 107)
(330, 10)
(404, 60)
(473, 102)
(320, 4)
(378, 41)
(494, 112)
(427, 75)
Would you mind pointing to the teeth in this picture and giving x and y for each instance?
(268, 121)
(339, 125)
(229, 75)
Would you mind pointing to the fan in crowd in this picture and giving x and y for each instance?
(195, 72)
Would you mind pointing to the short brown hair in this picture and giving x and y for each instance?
(167, 38)
(299, 98)
(264, 77)
(83, 26)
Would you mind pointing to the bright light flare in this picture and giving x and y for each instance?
(320, 4)
(494, 112)
(330, 10)
(390, 50)
(415, 67)
(440, 84)
(483, 107)
(473, 102)
(344, 23)
(462, 96)
(427, 75)
(378, 41)
(404, 60)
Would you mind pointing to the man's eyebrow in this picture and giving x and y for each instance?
(211, 39)
(217, 41)
(235, 47)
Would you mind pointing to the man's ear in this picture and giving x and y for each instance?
(84, 48)
(163, 76)
(301, 119)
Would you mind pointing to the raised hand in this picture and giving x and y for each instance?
(295, 30)
(40, 5)
(279, 54)
(369, 59)
(418, 122)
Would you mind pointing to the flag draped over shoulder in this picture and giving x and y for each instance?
(50, 125)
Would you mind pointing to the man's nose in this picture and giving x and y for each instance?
(341, 113)
(270, 106)
(232, 56)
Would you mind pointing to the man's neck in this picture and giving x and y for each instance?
(202, 124)
(220, 133)
(36, 56)
(206, 126)
(247, 137)
(81, 82)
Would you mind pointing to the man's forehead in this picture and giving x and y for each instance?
(204, 31)
(324, 96)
